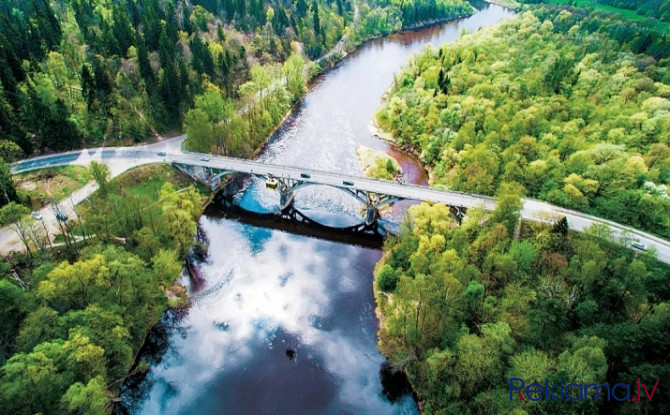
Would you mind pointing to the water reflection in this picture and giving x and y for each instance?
(309, 295)
(268, 292)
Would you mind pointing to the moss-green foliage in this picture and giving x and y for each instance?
(571, 114)
(631, 9)
(42, 186)
(380, 17)
(473, 307)
(72, 328)
(79, 72)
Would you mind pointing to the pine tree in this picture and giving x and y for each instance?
(315, 17)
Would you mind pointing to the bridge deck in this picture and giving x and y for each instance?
(532, 210)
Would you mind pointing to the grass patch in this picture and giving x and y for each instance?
(148, 180)
(510, 4)
(143, 184)
(55, 183)
(628, 14)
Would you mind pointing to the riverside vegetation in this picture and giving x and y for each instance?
(74, 316)
(79, 73)
(553, 100)
(76, 73)
(556, 104)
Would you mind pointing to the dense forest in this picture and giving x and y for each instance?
(659, 9)
(561, 104)
(574, 106)
(76, 308)
(75, 315)
(79, 73)
(652, 8)
(466, 308)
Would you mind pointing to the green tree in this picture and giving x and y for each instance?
(13, 309)
(89, 399)
(294, 68)
(77, 285)
(100, 173)
(199, 130)
(14, 213)
(509, 206)
(10, 151)
(6, 184)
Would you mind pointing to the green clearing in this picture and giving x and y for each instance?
(56, 183)
(146, 182)
(628, 14)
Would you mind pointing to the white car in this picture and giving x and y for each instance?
(638, 246)
(204, 158)
(36, 215)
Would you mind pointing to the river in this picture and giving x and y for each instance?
(267, 294)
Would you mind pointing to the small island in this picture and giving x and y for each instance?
(377, 164)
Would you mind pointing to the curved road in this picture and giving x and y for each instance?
(120, 159)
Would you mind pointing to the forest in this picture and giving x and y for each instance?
(466, 308)
(572, 105)
(78, 73)
(560, 104)
(76, 311)
(652, 8)
(77, 308)
(659, 9)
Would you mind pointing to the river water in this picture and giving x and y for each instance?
(265, 292)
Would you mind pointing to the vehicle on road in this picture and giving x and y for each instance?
(36, 215)
(347, 182)
(61, 217)
(271, 183)
(305, 175)
(161, 153)
(639, 246)
(204, 158)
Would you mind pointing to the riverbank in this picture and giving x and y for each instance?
(378, 164)
(378, 132)
(248, 264)
(510, 4)
(340, 53)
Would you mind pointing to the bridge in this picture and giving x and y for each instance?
(372, 193)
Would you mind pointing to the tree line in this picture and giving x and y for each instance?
(659, 9)
(75, 315)
(554, 100)
(466, 308)
(79, 73)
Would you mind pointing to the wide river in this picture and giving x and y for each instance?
(266, 292)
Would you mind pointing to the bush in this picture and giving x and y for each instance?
(388, 278)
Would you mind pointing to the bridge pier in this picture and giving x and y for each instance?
(208, 176)
(286, 193)
(371, 211)
(458, 213)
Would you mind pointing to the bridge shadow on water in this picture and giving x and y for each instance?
(293, 221)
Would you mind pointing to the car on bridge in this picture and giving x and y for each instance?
(638, 246)
(204, 158)
(271, 183)
(305, 175)
(347, 182)
(161, 153)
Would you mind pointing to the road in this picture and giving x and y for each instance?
(120, 159)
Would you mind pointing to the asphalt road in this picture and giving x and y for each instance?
(120, 159)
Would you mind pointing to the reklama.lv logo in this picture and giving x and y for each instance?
(577, 391)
